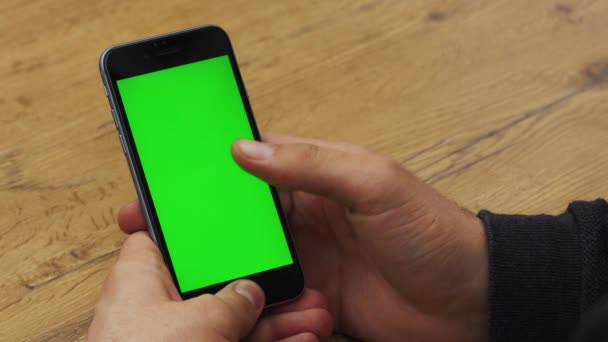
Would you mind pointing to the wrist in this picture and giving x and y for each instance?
(475, 312)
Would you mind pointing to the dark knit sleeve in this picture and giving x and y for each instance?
(545, 271)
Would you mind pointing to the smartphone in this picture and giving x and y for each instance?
(179, 102)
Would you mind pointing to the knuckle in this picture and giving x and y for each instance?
(384, 178)
(357, 148)
(389, 172)
(299, 156)
(136, 255)
(392, 166)
(213, 311)
(210, 301)
(309, 151)
(139, 247)
(136, 239)
(384, 172)
(112, 283)
(156, 263)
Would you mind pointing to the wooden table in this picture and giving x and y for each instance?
(499, 104)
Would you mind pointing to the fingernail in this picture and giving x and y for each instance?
(255, 149)
(251, 292)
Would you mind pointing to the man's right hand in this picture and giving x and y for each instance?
(396, 260)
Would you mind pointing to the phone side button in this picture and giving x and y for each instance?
(115, 120)
(105, 90)
(122, 143)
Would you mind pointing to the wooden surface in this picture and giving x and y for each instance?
(499, 104)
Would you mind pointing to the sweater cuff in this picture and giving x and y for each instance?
(534, 276)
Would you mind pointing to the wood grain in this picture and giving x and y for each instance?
(499, 104)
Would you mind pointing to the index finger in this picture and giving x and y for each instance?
(277, 138)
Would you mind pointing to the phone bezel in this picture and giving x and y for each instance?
(187, 46)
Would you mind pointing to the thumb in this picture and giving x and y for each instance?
(233, 311)
(364, 182)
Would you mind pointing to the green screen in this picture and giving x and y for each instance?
(219, 222)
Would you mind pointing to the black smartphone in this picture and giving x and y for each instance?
(179, 102)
